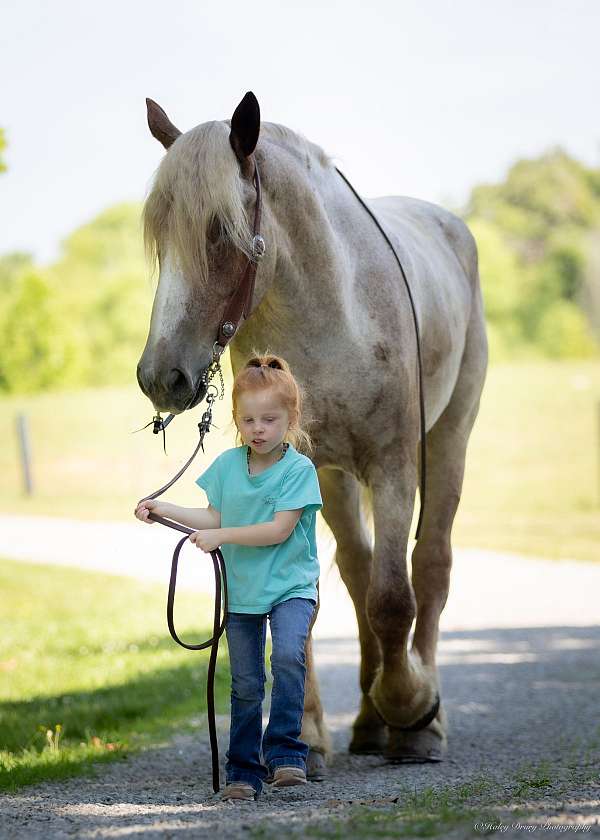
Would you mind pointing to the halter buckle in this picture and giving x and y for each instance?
(258, 247)
(217, 351)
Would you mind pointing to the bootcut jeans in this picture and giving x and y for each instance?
(281, 744)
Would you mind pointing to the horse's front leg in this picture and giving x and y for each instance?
(405, 689)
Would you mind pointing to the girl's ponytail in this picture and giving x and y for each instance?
(274, 362)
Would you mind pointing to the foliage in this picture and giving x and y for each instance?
(35, 356)
(562, 331)
(535, 235)
(82, 320)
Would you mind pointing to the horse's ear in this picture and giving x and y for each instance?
(160, 125)
(245, 127)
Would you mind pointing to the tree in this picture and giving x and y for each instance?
(35, 351)
(541, 214)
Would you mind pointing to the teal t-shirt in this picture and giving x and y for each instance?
(259, 577)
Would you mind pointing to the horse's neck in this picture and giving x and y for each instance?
(313, 284)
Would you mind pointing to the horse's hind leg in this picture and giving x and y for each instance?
(342, 509)
(432, 556)
(314, 732)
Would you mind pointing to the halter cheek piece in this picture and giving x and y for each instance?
(238, 308)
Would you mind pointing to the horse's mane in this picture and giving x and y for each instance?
(198, 188)
(295, 143)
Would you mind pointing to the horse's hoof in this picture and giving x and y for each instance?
(316, 771)
(414, 747)
(370, 741)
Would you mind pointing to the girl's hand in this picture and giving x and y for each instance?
(144, 508)
(207, 540)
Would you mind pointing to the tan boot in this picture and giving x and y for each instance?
(238, 790)
(286, 776)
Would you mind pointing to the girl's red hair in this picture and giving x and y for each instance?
(269, 371)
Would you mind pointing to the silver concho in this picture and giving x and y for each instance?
(258, 247)
(228, 329)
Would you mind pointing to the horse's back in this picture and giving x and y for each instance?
(427, 230)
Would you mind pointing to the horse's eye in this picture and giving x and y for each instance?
(213, 234)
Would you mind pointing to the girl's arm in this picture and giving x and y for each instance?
(267, 533)
(196, 518)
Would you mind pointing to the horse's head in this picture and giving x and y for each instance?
(198, 229)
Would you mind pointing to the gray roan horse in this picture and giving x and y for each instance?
(329, 298)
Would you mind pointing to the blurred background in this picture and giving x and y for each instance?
(485, 108)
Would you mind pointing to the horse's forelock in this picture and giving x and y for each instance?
(197, 182)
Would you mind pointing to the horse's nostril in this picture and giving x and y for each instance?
(176, 381)
(165, 387)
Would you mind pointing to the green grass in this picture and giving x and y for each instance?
(480, 807)
(532, 481)
(88, 673)
(430, 812)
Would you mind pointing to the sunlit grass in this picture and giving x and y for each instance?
(532, 481)
(88, 673)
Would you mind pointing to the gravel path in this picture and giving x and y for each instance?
(520, 677)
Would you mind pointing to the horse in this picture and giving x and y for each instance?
(329, 298)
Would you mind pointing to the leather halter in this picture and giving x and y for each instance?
(238, 308)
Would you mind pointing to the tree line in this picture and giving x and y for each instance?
(538, 234)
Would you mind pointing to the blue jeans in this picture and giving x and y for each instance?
(281, 745)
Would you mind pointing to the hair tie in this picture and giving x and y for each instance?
(274, 364)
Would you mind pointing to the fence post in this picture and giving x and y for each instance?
(25, 452)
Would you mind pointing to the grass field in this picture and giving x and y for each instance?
(532, 481)
(88, 672)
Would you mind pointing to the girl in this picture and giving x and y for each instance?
(263, 497)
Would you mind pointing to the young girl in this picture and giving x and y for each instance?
(263, 498)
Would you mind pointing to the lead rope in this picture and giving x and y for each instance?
(212, 392)
(420, 366)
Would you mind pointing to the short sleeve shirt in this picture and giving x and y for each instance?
(259, 577)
